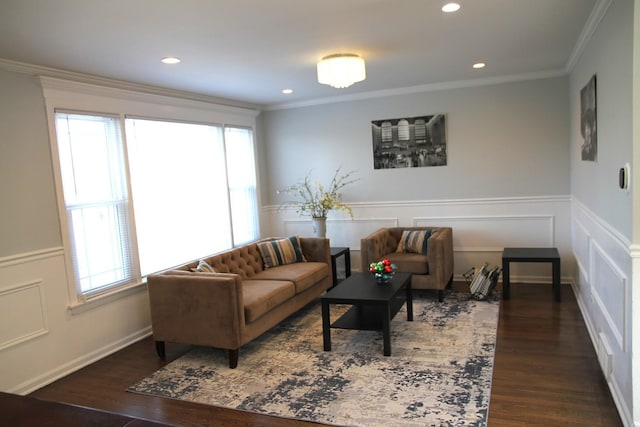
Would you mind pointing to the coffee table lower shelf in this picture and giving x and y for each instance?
(365, 317)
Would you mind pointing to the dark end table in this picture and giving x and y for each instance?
(373, 305)
(510, 255)
(337, 252)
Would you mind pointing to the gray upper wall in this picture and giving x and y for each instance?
(29, 215)
(609, 56)
(503, 140)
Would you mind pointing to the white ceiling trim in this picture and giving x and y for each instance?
(598, 12)
(422, 88)
(41, 71)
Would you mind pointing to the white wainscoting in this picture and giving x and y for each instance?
(40, 341)
(23, 313)
(481, 228)
(602, 288)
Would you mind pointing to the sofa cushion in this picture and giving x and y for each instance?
(281, 252)
(409, 262)
(303, 274)
(261, 296)
(414, 241)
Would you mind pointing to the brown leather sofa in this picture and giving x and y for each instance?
(239, 302)
(431, 271)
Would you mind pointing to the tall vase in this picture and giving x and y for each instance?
(319, 227)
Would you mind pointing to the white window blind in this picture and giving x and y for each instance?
(96, 200)
(242, 184)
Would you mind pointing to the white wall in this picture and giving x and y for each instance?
(602, 219)
(29, 218)
(506, 182)
(40, 340)
(504, 140)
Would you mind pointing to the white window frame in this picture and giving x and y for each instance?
(86, 98)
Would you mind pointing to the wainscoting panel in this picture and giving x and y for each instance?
(492, 233)
(481, 228)
(35, 321)
(609, 290)
(23, 307)
(582, 248)
(603, 290)
(342, 231)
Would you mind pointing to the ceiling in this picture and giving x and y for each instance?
(250, 50)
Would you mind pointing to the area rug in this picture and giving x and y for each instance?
(439, 372)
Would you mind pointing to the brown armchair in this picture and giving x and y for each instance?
(431, 271)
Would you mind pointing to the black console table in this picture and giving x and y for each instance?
(510, 255)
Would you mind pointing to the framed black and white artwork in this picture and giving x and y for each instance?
(409, 142)
(588, 121)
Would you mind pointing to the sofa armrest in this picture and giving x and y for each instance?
(197, 308)
(440, 254)
(374, 246)
(316, 249)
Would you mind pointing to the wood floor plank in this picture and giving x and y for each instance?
(546, 374)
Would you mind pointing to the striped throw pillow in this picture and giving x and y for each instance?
(204, 267)
(281, 252)
(415, 241)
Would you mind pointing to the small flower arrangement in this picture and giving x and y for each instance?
(316, 200)
(383, 270)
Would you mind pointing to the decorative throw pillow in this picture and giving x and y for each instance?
(281, 252)
(203, 267)
(415, 241)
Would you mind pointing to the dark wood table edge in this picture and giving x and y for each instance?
(553, 258)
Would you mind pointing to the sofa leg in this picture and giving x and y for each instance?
(160, 349)
(440, 295)
(233, 358)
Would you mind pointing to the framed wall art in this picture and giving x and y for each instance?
(588, 121)
(409, 142)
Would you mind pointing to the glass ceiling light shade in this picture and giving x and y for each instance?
(341, 70)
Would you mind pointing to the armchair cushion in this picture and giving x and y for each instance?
(281, 252)
(414, 241)
(409, 262)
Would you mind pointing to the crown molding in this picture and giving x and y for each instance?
(432, 87)
(597, 13)
(41, 71)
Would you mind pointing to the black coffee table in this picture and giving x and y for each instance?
(373, 305)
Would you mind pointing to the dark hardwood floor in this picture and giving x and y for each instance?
(545, 374)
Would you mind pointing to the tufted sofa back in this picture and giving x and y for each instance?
(244, 261)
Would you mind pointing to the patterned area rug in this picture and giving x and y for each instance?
(439, 372)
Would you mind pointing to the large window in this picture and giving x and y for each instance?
(96, 199)
(156, 195)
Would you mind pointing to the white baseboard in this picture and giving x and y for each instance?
(79, 363)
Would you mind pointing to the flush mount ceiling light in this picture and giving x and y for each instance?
(451, 7)
(341, 70)
(170, 60)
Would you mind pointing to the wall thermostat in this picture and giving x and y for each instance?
(623, 177)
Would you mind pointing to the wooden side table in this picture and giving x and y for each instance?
(335, 253)
(530, 255)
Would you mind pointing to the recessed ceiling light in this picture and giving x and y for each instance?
(171, 60)
(451, 7)
(287, 91)
(479, 65)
